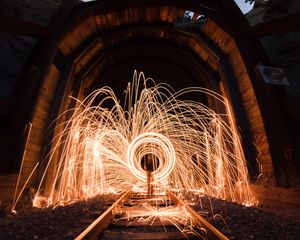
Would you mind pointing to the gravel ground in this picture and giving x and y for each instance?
(65, 222)
(249, 223)
(235, 221)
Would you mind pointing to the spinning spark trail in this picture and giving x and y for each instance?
(100, 150)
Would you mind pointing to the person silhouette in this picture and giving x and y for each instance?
(149, 164)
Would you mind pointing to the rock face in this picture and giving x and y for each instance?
(266, 10)
(37, 11)
(15, 49)
(281, 8)
(256, 15)
(284, 51)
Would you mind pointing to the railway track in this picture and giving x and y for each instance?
(137, 216)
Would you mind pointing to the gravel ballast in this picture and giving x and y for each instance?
(234, 220)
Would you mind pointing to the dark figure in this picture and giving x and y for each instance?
(149, 164)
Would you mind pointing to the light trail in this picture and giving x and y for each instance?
(101, 149)
(177, 216)
(151, 143)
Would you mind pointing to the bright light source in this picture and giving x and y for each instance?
(101, 149)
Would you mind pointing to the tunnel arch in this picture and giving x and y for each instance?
(218, 48)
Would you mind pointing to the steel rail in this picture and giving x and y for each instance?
(101, 222)
(212, 232)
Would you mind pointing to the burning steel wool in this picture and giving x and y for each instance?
(101, 149)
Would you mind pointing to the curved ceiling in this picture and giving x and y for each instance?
(102, 42)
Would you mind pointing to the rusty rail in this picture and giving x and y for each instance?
(101, 222)
(212, 232)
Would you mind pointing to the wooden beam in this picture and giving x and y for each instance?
(276, 27)
(13, 25)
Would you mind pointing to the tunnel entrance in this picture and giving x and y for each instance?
(150, 162)
(99, 44)
(154, 132)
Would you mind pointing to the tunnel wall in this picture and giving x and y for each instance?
(70, 44)
(249, 101)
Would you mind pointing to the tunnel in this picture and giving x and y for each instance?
(89, 45)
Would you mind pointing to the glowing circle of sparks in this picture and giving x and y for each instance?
(151, 143)
(100, 147)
